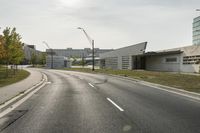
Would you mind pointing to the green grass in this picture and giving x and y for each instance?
(20, 75)
(181, 81)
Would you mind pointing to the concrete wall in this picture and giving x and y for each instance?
(193, 54)
(187, 61)
(129, 51)
(158, 63)
(58, 62)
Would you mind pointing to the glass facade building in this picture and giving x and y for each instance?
(196, 31)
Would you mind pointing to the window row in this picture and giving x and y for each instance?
(191, 59)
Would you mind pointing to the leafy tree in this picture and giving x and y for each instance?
(33, 59)
(13, 47)
(42, 58)
(2, 50)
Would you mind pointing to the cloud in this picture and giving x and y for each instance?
(112, 23)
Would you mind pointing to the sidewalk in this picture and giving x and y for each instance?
(10, 91)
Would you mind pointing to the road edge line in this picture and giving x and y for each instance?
(174, 90)
(19, 96)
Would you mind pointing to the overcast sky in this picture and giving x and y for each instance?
(111, 23)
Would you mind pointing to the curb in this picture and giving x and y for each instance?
(154, 85)
(9, 103)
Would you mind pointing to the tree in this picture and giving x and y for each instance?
(42, 58)
(2, 50)
(33, 59)
(13, 47)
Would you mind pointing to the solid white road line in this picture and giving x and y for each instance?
(15, 105)
(172, 91)
(91, 85)
(114, 104)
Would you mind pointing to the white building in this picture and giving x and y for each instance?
(184, 59)
(58, 62)
(78, 53)
(124, 58)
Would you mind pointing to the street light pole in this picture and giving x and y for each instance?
(92, 55)
(92, 42)
(51, 58)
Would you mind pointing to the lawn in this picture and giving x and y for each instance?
(20, 75)
(181, 81)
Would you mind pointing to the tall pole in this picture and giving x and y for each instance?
(91, 41)
(93, 55)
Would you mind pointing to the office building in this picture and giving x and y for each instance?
(196, 31)
(183, 59)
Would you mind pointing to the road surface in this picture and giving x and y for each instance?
(74, 102)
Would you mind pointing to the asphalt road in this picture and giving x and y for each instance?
(77, 102)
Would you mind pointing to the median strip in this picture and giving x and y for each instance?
(115, 104)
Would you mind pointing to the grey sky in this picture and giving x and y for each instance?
(111, 23)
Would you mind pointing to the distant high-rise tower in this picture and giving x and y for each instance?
(196, 31)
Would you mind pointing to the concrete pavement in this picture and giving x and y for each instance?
(10, 91)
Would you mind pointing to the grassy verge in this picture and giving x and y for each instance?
(181, 81)
(20, 75)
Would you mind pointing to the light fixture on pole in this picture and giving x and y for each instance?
(47, 45)
(91, 42)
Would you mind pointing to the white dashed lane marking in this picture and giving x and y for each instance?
(115, 104)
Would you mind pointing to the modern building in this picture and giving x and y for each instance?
(78, 53)
(183, 59)
(29, 50)
(196, 31)
(57, 62)
(124, 58)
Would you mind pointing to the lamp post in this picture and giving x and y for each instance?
(51, 53)
(91, 42)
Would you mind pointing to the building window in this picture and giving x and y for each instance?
(125, 62)
(111, 62)
(191, 59)
(171, 60)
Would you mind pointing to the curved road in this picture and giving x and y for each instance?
(75, 102)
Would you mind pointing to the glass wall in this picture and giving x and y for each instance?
(196, 31)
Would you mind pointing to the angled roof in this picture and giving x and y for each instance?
(136, 49)
(163, 52)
